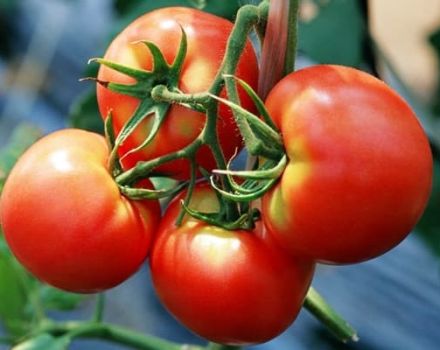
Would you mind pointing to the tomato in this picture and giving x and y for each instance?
(207, 36)
(230, 287)
(65, 220)
(360, 166)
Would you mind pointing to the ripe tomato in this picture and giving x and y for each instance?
(360, 167)
(65, 220)
(206, 35)
(230, 287)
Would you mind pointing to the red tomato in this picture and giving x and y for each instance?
(230, 287)
(360, 167)
(207, 35)
(65, 220)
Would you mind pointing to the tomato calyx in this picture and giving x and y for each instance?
(246, 221)
(161, 74)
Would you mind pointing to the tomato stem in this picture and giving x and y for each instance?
(112, 333)
(144, 169)
(99, 308)
(292, 37)
(215, 346)
(161, 93)
(189, 192)
(319, 308)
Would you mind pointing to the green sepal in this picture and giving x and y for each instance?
(113, 162)
(259, 138)
(181, 54)
(159, 112)
(245, 197)
(259, 174)
(144, 193)
(258, 102)
(145, 109)
(160, 65)
(136, 73)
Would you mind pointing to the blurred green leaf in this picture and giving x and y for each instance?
(7, 7)
(13, 296)
(434, 39)
(335, 34)
(44, 342)
(130, 10)
(429, 225)
(22, 137)
(200, 4)
(6, 4)
(84, 113)
(55, 299)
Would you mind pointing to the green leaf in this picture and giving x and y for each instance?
(200, 4)
(434, 39)
(55, 299)
(429, 226)
(84, 113)
(13, 295)
(44, 342)
(22, 137)
(335, 35)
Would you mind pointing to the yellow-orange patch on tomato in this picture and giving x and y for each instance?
(277, 209)
(295, 174)
(184, 122)
(217, 245)
(197, 75)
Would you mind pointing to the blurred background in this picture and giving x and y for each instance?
(393, 301)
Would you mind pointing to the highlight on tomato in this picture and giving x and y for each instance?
(65, 220)
(360, 166)
(230, 287)
(206, 36)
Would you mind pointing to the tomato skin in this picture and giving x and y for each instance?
(65, 220)
(360, 166)
(230, 287)
(207, 36)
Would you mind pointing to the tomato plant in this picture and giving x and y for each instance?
(206, 41)
(65, 219)
(230, 287)
(360, 166)
(340, 161)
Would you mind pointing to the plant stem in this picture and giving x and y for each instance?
(143, 169)
(162, 94)
(319, 308)
(113, 333)
(369, 53)
(215, 346)
(99, 308)
(292, 37)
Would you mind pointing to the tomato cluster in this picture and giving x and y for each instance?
(358, 178)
